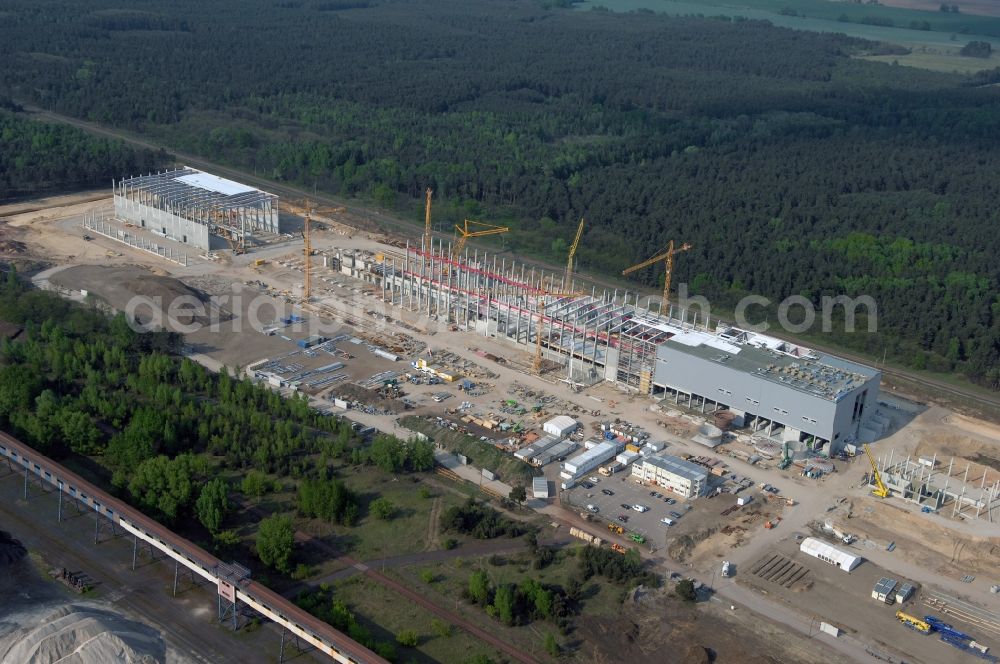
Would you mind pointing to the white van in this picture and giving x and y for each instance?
(640, 508)
(667, 521)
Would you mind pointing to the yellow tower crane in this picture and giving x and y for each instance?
(880, 490)
(467, 231)
(427, 221)
(307, 250)
(668, 256)
(568, 280)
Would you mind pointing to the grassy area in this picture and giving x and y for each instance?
(484, 455)
(825, 16)
(410, 528)
(380, 610)
(599, 598)
(945, 60)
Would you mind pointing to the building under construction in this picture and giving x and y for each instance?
(965, 490)
(609, 336)
(191, 206)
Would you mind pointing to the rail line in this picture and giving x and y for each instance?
(261, 599)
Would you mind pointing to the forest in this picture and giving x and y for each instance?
(36, 157)
(790, 166)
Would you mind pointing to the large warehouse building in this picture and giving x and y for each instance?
(190, 206)
(782, 390)
(789, 392)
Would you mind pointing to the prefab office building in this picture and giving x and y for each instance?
(190, 206)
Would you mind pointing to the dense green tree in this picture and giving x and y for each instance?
(685, 590)
(254, 484)
(213, 504)
(382, 508)
(275, 539)
(518, 494)
(479, 587)
(165, 485)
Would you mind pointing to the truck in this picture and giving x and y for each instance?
(726, 569)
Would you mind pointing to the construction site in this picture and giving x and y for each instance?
(636, 423)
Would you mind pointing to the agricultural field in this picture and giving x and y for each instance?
(892, 25)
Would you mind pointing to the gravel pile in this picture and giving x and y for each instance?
(78, 634)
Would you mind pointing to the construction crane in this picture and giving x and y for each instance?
(465, 232)
(427, 221)
(668, 256)
(568, 280)
(307, 248)
(880, 490)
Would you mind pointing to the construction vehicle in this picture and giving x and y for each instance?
(668, 257)
(637, 538)
(259, 262)
(618, 530)
(771, 523)
(467, 231)
(913, 622)
(786, 457)
(618, 548)
(568, 278)
(880, 490)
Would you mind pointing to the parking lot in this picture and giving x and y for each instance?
(626, 491)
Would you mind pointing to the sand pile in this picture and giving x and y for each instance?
(10, 549)
(118, 286)
(78, 634)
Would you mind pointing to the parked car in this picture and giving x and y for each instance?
(640, 508)
(667, 521)
(607, 492)
(626, 506)
(586, 485)
(594, 479)
(593, 508)
(669, 501)
(623, 518)
(676, 515)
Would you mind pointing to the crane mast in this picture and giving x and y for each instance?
(568, 281)
(667, 256)
(307, 249)
(427, 221)
(880, 490)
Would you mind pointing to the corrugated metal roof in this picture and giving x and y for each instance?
(680, 467)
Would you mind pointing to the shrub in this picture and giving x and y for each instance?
(408, 638)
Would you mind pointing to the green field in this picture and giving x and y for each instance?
(946, 30)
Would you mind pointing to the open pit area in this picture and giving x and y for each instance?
(357, 352)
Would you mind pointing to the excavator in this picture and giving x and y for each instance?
(880, 490)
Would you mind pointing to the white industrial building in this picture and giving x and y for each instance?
(587, 461)
(561, 426)
(190, 206)
(829, 554)
(677, 475)
(539, 487)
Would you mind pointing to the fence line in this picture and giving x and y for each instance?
(106, 229)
